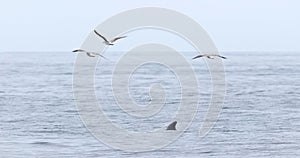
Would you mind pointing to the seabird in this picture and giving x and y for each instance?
(172, 126)
(107, 42)
(210, 56)
(90, 54)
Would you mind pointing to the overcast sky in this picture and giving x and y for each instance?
(61, 25)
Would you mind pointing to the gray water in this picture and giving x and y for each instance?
(260, 116)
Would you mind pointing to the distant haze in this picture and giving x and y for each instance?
(252, 25)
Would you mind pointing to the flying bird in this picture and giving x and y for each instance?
(90, 54)
(107, 42)
(210, 56)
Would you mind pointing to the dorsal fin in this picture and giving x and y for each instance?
(172, 126)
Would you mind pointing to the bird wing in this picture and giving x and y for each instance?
(198, 56)
(92, 54)
(78, 50)
(222, 57)
(102, 56)
(117, 38)
(101, 36)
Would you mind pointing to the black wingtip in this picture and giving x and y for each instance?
(198, 56)
(96, 32)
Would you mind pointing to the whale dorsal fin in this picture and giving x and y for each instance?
(172, 126)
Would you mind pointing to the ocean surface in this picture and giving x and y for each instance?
(260, 116)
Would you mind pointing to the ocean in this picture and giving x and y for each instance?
(260, 116)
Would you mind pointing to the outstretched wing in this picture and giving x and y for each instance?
(102, 56)
(100, 36)
(117, 38)
(198, 56)
(78, 50)
(222, 57)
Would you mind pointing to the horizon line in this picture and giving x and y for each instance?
(224, 51)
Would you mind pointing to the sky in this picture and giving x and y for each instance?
(233, 25)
